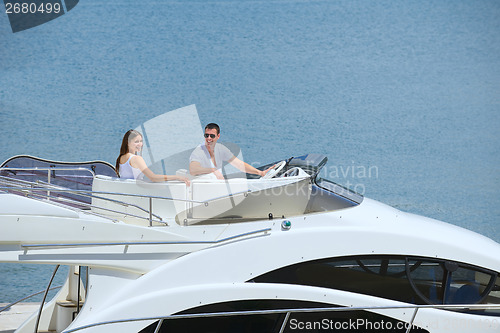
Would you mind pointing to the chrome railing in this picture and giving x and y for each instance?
(50, 173)
(264, 231)
(32, 193)
(49, 170)
(41, 190)
(39, 316)
(56, 200)
(8, 306)
(288, 312)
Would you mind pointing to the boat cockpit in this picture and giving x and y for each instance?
(291, 188)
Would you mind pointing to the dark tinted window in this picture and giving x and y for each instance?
(410, 280)
(378, 276)
(446, 282)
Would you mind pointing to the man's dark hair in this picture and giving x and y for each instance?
(213, 126)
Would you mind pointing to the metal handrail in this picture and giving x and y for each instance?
(76, 202)
(49, 169)
(296, 310)
(15, 180)
(283, 325)
(35, 186)
(8, 306)
(150, 218)
(90, 193)
(265, 231)
(43, 300)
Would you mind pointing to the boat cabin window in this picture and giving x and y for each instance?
(448, 282)
(407, 279)
(317, 321)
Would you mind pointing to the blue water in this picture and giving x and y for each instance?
(404, 97)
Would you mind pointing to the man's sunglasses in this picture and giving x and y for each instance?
(210, 135)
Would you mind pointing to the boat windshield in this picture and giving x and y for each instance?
(54, 174)
(313, 164)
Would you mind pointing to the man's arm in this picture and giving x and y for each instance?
(196, 169)
(245, 167)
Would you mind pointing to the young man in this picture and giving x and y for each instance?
(209, 157)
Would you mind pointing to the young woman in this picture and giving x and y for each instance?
(130, 166)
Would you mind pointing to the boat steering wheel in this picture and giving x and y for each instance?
(291, 172)
(274, 171)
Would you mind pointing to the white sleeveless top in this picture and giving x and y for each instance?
(127, 171)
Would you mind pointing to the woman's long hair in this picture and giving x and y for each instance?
(129, 136)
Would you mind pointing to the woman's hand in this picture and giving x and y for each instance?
(184, 179)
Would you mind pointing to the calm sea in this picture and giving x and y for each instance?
(403, 97)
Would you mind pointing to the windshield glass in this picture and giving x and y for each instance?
(30, 171)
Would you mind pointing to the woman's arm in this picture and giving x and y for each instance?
(139, 163)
